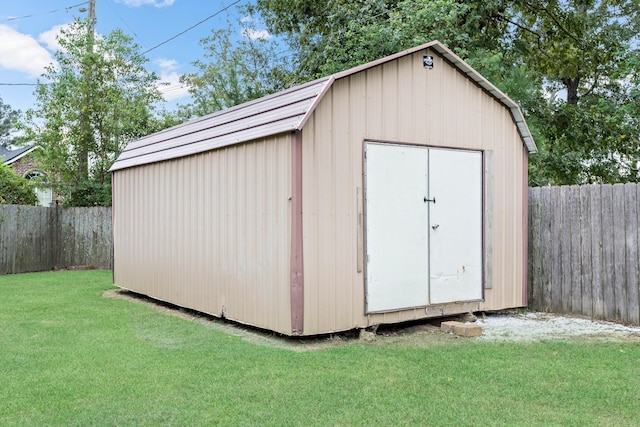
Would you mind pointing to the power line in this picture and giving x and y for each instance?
(125, 23)
(66, 9)
(20, 84)
(190, 28)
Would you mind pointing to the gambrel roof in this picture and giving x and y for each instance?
(281, 112)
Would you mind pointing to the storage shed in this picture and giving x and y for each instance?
(393, 191)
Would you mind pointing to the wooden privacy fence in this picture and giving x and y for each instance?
(35, 238)
(583, 250)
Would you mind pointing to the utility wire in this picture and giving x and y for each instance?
(125, 23)
(66, 9)
(190, 28)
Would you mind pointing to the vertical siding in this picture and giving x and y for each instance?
(400, 101)
(210, 232)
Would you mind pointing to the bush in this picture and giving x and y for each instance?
(89, 193)
(14, 189)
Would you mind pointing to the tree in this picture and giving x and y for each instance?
(328, 37)
(96, 99)
(8, 118)
(534, 50)
(584, 49)
(579, 45)
(15, 189)
(237, 68)
(331, 37)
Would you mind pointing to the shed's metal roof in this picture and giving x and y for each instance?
(281, 112)
(273, 114)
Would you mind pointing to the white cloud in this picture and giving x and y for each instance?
(250, 31)
(172, 89)
(167, 64)
(21, 52)
(50, 37)
(156, 3)
(253, 34)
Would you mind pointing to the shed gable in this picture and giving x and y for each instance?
(283, 112)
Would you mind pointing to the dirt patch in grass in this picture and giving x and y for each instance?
(516, 326)
(247, 333)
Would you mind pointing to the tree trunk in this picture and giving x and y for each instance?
(572, 90)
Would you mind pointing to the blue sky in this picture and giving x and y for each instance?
(28, 29)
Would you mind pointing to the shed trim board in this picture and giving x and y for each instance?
(265, 213)
(297, 258)
(525, 234)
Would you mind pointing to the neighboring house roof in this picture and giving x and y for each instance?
(278, 113)
(10, 156)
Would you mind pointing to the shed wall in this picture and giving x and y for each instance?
(210, 231)
(400, 101)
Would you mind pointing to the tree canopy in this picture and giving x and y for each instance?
(96, 99)
(235, 68)
(572, 65)
(586, 54)
(8, 118)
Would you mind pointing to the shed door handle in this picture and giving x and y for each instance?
(430, 200)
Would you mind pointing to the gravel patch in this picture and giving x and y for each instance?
(537, 326)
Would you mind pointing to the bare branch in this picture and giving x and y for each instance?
(537, 8)
(529, 30)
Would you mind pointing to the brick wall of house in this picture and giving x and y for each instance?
(27, 164)
(24, 165)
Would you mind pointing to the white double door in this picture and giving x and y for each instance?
(423, 226)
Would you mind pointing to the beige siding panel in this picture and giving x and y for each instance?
(310, 250)
(345, 258)
(210, 232)
(399, 101)
(326, 235)
(375, 102)
(390, 119)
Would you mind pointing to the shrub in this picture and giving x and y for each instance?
(15, 189)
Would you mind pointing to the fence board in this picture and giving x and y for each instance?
(576, 278)
(597, 252)
(535, 258)
(547, 252)
(586, 250)
(608, 259)
(35, 238)
(586, 273)
(631, 211)
(556, 252)
(565, 249)
(619, 254)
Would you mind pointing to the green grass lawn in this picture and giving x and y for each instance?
(69, 356)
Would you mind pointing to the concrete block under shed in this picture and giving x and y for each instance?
(449, 326)
(461, 329)
(467, 330)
